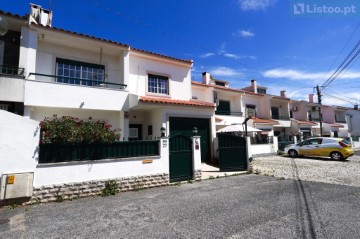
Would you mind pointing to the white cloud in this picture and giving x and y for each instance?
(292, 74)
(222, 71)
(255, 5)
(244, 34)
(206, 55)
(230, 55)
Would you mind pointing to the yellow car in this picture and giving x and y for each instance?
(336, 148)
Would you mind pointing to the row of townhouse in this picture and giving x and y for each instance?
(275, 115)
(47, 70)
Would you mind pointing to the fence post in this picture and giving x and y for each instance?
(164, 154)
(196, 151)
(276, 144)
(295, 139)
(248, 151)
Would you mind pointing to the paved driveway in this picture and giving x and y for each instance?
(246, 206)
(311, 169)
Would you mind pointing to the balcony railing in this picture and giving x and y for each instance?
(314, 119)
(220, 112)
(279, 117)
(340, 121)
(78, 81)
(11, 71)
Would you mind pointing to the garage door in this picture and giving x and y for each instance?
(182, 125)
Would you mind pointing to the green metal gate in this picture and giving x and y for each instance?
(181, 125)
(232, 153)
(181, 166)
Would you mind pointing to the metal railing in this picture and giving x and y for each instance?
(314, 119)
(55, 153)
(233, 113)
(279, 117)
(78, 81)
(11, 71)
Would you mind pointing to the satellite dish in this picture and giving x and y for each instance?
(4, 27)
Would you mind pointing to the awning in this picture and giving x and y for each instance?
(237, 128)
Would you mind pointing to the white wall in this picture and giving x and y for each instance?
(71, 96)
(48, 52)
(179, 77)
(19, 139)
(11, 89)
(112, 117)
(28, 48)
(49, 174)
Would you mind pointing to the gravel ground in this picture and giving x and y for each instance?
(310, 169)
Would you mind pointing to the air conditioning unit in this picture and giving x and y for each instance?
(16, 185)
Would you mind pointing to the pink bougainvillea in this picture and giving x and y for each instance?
(67, 129)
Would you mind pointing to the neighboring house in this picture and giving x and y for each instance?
(307, 119)
(12, 74)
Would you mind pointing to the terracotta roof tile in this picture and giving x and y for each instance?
(337, 125)
(264, 121)
(305, 122)
(217, 119)
(176, 102)
(9, 14)
(224, 88)
(112, 42)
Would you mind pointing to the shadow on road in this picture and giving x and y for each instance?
(304, 211)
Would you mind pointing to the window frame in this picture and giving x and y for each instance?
(163, 76)
(79, 67)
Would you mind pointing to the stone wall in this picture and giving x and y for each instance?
(198, 175)
(69, 191)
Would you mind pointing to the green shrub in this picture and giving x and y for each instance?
(111, 188)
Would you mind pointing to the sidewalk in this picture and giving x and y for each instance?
(211, 171)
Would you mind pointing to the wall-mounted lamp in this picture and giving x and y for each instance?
(162, 130)
(195, 131)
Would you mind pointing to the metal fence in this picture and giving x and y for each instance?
(54, 153)
(11, 71)
(283, 144)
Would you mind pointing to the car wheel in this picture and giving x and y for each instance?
(336, 156)
(292, 153)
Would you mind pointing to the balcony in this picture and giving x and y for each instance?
(314, 119)
(279, 117)
(12, 71)
(231, 113)
(11, 84)
(66, 92)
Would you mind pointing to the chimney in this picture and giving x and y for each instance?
(206, 78)
(311, 98)
(40, 16)
(254, 86)
(282, 93)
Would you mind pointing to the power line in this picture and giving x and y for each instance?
(336, 97)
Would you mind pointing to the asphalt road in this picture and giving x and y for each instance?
(247, 206)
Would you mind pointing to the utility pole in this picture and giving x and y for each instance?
(320, 115)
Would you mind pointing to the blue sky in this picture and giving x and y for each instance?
(234, 40)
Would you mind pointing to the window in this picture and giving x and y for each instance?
(79, 73)
(261, 91)
(158, 84)
(223, 108)
(250, 110)
(219, 83)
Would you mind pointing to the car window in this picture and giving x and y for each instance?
(315, 141)
(345, 141)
